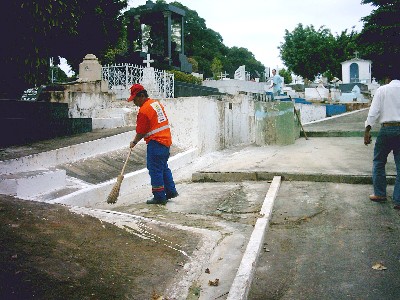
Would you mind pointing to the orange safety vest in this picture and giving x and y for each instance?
(159, 126)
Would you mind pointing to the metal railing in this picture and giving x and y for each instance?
(159, 84)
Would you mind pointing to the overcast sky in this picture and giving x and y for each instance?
(259, 25)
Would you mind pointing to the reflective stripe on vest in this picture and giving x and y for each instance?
(156, 130)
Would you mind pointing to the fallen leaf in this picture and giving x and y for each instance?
(213, 283)
(379, 267)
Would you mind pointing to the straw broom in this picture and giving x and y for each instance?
(113, 196)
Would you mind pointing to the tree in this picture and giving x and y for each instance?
(306, 51)
(204, 44)
(195, 64)
(42, 29)
(216, 67)
(286, 74)
(344, 48)
(379, 39)
(237, 57)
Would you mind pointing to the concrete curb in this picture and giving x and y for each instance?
(68, 154)
(260, 176)
(242, 282)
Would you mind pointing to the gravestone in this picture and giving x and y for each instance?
(149, 77)
(240, 73)
(319, 93)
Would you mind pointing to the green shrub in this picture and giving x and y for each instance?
(183, 77)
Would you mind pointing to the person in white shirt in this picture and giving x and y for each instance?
(385, 109)
(276, 84)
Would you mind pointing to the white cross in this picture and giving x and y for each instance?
(223, 75)
(148, 61)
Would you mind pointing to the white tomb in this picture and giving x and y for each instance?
(356, 70)
(240, 73)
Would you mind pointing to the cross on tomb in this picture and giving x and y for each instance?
(148, 61)
(223, 75)
(356, 54)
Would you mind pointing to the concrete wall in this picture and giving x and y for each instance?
(233, 86)
(275, 123)
(210, 124)
(310, 113)
(93, 100)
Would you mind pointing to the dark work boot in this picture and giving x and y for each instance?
(156, 201)
(172, 195)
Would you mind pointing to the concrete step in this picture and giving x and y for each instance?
(27, 185)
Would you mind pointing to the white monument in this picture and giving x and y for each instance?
(319, 93)
(149, 78)
(90, 69)
(356, 70)
(240, 73)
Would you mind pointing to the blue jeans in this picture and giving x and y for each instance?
(388, 140)
(162, 182)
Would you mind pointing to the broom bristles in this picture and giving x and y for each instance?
(113, 196)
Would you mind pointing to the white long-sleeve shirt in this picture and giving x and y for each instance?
(385, 107)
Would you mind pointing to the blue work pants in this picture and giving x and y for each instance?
(388, 140)
(162, 182)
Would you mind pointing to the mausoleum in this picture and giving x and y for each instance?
(157, 29)
(356, 70)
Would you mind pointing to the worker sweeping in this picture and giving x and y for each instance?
(152, 125)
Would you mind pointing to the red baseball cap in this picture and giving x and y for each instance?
(136, 88)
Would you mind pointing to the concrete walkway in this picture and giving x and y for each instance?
(324, 235)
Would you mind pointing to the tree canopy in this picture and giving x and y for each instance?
(204, 44)
(308, 52)
(40, 29)
(379, 39)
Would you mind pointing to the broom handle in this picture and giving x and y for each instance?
(126, 161)
(298, 117)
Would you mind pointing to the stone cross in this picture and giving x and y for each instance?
(148, 61)
(356, 54)
(223, 75)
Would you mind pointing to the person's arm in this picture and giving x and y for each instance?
(373, 115)
(136, 140)
(374, 110)
(367, 135)
(142, 127)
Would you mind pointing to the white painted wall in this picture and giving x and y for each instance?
(310, 113)
(210, 124)
(318, 93)
(85, 105)
(233, 86)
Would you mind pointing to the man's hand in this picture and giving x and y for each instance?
(367, 135)
(132, 144)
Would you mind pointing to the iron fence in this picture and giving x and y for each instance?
(159, 84)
